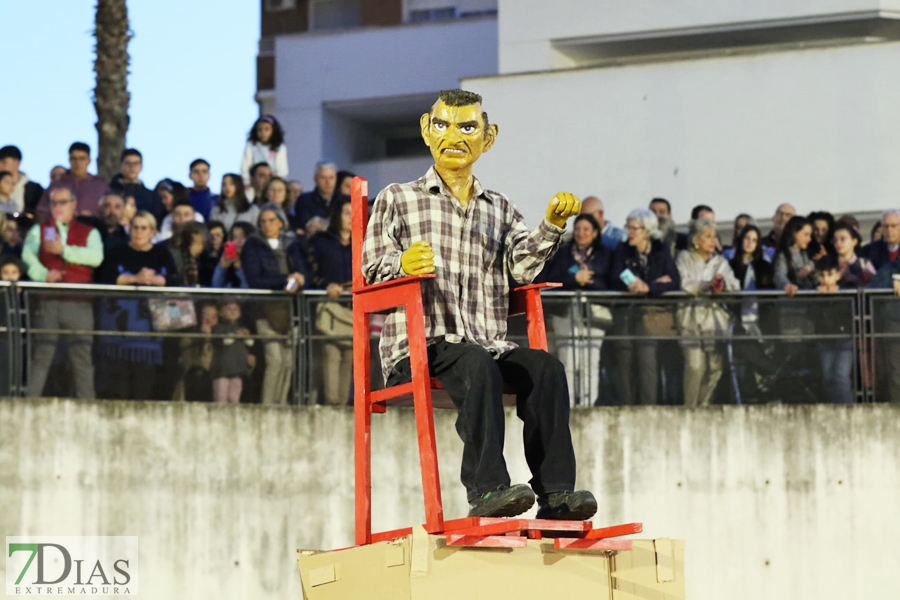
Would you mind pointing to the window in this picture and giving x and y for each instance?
(278, 5)
(333, 14)
(423, 15)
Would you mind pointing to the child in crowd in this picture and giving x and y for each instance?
(265, 144)
(201, 196)
(834, 317)
(231, 359)
(11, 269)
(7, 186)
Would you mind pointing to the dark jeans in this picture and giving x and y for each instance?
(130, 380)
(474, 381)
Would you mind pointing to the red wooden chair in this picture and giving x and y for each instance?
(406, 292)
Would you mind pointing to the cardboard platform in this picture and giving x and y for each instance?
(423, 567)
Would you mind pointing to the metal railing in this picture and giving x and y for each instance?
(618, 348)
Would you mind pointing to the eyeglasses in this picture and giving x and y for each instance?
(59, 202)
(132, 163)
(634, 227)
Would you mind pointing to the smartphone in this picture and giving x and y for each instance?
(50, 234)
(291, 284)
(627, 277)
(230, 251)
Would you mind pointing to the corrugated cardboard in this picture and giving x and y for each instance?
(423, 567)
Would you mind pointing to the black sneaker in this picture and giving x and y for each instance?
(567, 506)
(504, 501)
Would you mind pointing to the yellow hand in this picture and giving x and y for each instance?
(561, 207)
(418, 259)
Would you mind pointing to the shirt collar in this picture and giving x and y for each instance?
(434, 184)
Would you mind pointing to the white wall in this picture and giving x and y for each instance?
(817, 128)
(774, 501)
(528, 26)
(370, 63)
(382, 173)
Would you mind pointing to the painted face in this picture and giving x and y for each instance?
(844, 242)
(751, 240)
(455, 135)
(803, 237)
(584, 234)
(10, 272)
(707, 240)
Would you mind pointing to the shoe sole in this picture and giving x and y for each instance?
(514, 508)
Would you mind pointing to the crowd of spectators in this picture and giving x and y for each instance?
(261, 231)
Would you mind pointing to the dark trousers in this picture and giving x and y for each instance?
(474, 381)
(130, 380)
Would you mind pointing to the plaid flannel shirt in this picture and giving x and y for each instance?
(476, 251)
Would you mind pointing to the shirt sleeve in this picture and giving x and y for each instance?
(381, 247)
(527, 251)
(89, 255)
(246, 162)
(30, 249)
(281, 163)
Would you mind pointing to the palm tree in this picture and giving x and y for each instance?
(111, 95)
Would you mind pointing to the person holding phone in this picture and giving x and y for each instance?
(273, 261)
(641, 265)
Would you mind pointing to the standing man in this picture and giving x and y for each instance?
(112, 206)
(674, 241)
(63, 250)
(610, 235)
(26, 194)
(201, 196)
(783, 214)
(128, 183)
(310, 213)
(887, 249)
(86, 187)
(474, 240)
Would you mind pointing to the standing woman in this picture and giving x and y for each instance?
(704, 273)
(654, 272)
(331, 259)
(583, 264)
(265, 144)
(232, 205)
(277, 192)
(134, 359)
(794, 268)
(271, 261)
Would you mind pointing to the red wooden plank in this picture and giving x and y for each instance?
(391, 392)
(544, 524)
(491, 541)
(386, 536)
(362, 410)
(359, 206)
(583, 544)
(535, 534)
(389, 285)
(502, 526)
(614, 531)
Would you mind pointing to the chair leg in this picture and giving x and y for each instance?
(418, 358)
(362, 410)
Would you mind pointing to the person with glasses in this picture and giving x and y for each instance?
(86, 187)
(63, 250)
(886, 249)
(133, 360)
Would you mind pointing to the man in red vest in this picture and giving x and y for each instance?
(63, 250)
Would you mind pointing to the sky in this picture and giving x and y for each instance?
(192, 81)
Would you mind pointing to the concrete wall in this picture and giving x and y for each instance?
(740, 133)
(774, 501)
(528, 28)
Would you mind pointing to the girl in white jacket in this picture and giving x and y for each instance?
(265, 144)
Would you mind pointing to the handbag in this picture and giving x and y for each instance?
(335, 319)
(658, 321)
(171, 315)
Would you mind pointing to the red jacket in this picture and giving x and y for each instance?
(77, 236)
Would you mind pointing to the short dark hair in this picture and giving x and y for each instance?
(256, 167)
(827, 263)
(277, 138)
(210, 225)
(79, 147)
(10, 152)
(695, 212)
(664, 201)
(198, 161)
(4, 174)
(9, 259)
(463, 98)
(851, 230)
(183, 202)
(131, 152)
(247, 228)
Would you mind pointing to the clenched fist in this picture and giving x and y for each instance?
(561, 207)
(418, 259)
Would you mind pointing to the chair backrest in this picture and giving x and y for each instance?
(359, 205)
